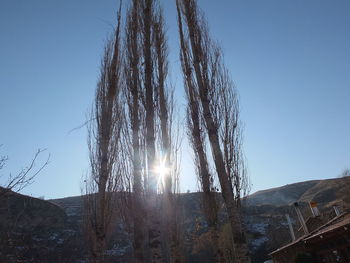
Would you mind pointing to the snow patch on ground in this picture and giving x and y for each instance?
(117, 250)
(256, 243)
(258, 228)
(56, 237)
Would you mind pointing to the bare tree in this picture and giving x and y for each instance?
(230, 133)
(24, 178)
(105, 146)
(141, 95)
(162, 107)
(148, 15)
(161, 72)
(133, 54)
(211, 86)
(196, 136)
(152, 147)
(168, 149)
(169, 142)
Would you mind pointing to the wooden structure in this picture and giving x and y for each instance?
(328, 243)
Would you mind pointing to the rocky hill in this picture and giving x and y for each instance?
(35, 230)
(324, 192)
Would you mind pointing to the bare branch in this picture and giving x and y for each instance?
(25, 177)
(207, 81)
(107, 151)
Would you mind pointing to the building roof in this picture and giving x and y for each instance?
(288, 245)
(338, 222)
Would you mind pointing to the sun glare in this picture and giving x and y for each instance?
(161, 170)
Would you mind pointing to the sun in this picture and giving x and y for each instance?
(161, 170)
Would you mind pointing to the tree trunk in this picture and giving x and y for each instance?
(132, 72)
(197, 36)
(210, 207)
(154, 218)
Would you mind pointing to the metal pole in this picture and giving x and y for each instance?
(301, 218)
(290, 227)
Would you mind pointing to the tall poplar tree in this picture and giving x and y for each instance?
(208, 80)
(105, 144)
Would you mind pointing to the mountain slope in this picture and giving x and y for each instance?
(283, 195)
(34, 229)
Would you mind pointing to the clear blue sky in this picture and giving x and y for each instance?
(290, 61)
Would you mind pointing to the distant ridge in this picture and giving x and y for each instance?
(325, 192)
(41, 229)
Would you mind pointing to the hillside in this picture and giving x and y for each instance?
(283, 195)
(33, 229)
(323, 192)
